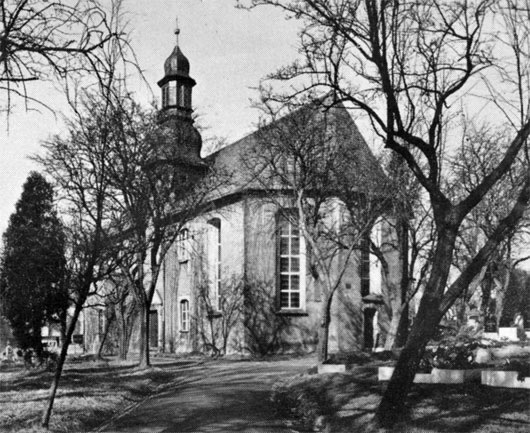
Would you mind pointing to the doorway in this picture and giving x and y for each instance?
(153, 328)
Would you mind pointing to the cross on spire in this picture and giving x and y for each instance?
(177, 29)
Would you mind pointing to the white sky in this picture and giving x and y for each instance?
(229, 50)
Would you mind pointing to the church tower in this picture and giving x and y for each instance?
(176, 111)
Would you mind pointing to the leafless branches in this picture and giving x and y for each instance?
(54, 40)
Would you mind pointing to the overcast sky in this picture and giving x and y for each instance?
(229, 50)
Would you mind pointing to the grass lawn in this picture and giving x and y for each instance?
(349, 401)
(90, 393)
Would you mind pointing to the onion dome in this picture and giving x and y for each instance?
(177, 64)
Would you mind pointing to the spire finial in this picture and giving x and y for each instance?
(177, 30)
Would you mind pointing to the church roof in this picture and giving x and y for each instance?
(241, 159)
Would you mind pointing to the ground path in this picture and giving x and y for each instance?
(218, 396)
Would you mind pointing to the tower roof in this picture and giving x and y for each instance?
(177, 64)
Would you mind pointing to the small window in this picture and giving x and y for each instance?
(180, 95)
(183, 246)
(172, 93)
(291, 265)
(188, 97)
(184, 315)
(165, 95)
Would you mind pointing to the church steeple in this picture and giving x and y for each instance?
(177, 84)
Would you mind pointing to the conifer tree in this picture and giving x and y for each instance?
(33, 265)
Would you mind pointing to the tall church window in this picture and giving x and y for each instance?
(183, 246)
(215, 257)
(290, 265)
(184, 314)
(364, 270)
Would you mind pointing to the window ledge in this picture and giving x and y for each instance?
(300, 313)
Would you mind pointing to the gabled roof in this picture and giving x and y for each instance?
(235, 159)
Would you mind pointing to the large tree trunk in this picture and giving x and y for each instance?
(392, 405)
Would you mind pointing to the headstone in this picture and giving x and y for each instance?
(482, 356)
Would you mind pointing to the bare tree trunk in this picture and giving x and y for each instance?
(60, 364)
(63, 324)
(394, 328)
(403, 324)
(501, 293)
(125, 332)
(144, 360)
(323, 338)
(105, 333)
(392, 405)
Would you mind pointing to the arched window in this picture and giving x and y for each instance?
(215, 261)
(183, 246)
(184, 314)
(291, 265)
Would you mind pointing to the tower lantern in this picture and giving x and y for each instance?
(177, 84)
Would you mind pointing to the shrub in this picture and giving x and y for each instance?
(450, 353)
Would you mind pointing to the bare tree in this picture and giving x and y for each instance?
(52, 40)
(156, 192)
(216, 329)
(412, 225)
(482, 149)
(78, 173)
(410, 66)
(124, 306)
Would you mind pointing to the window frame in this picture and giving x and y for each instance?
(184, 315)
(286, 217)
(215, 266)
(183, 245)
(365, 265)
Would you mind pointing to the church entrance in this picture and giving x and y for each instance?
(153, 328)
(368, 328)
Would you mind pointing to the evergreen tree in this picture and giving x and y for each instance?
(33, 265)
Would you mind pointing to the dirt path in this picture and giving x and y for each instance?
(218, 396)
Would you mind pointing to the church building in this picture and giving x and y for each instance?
(238, 278)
